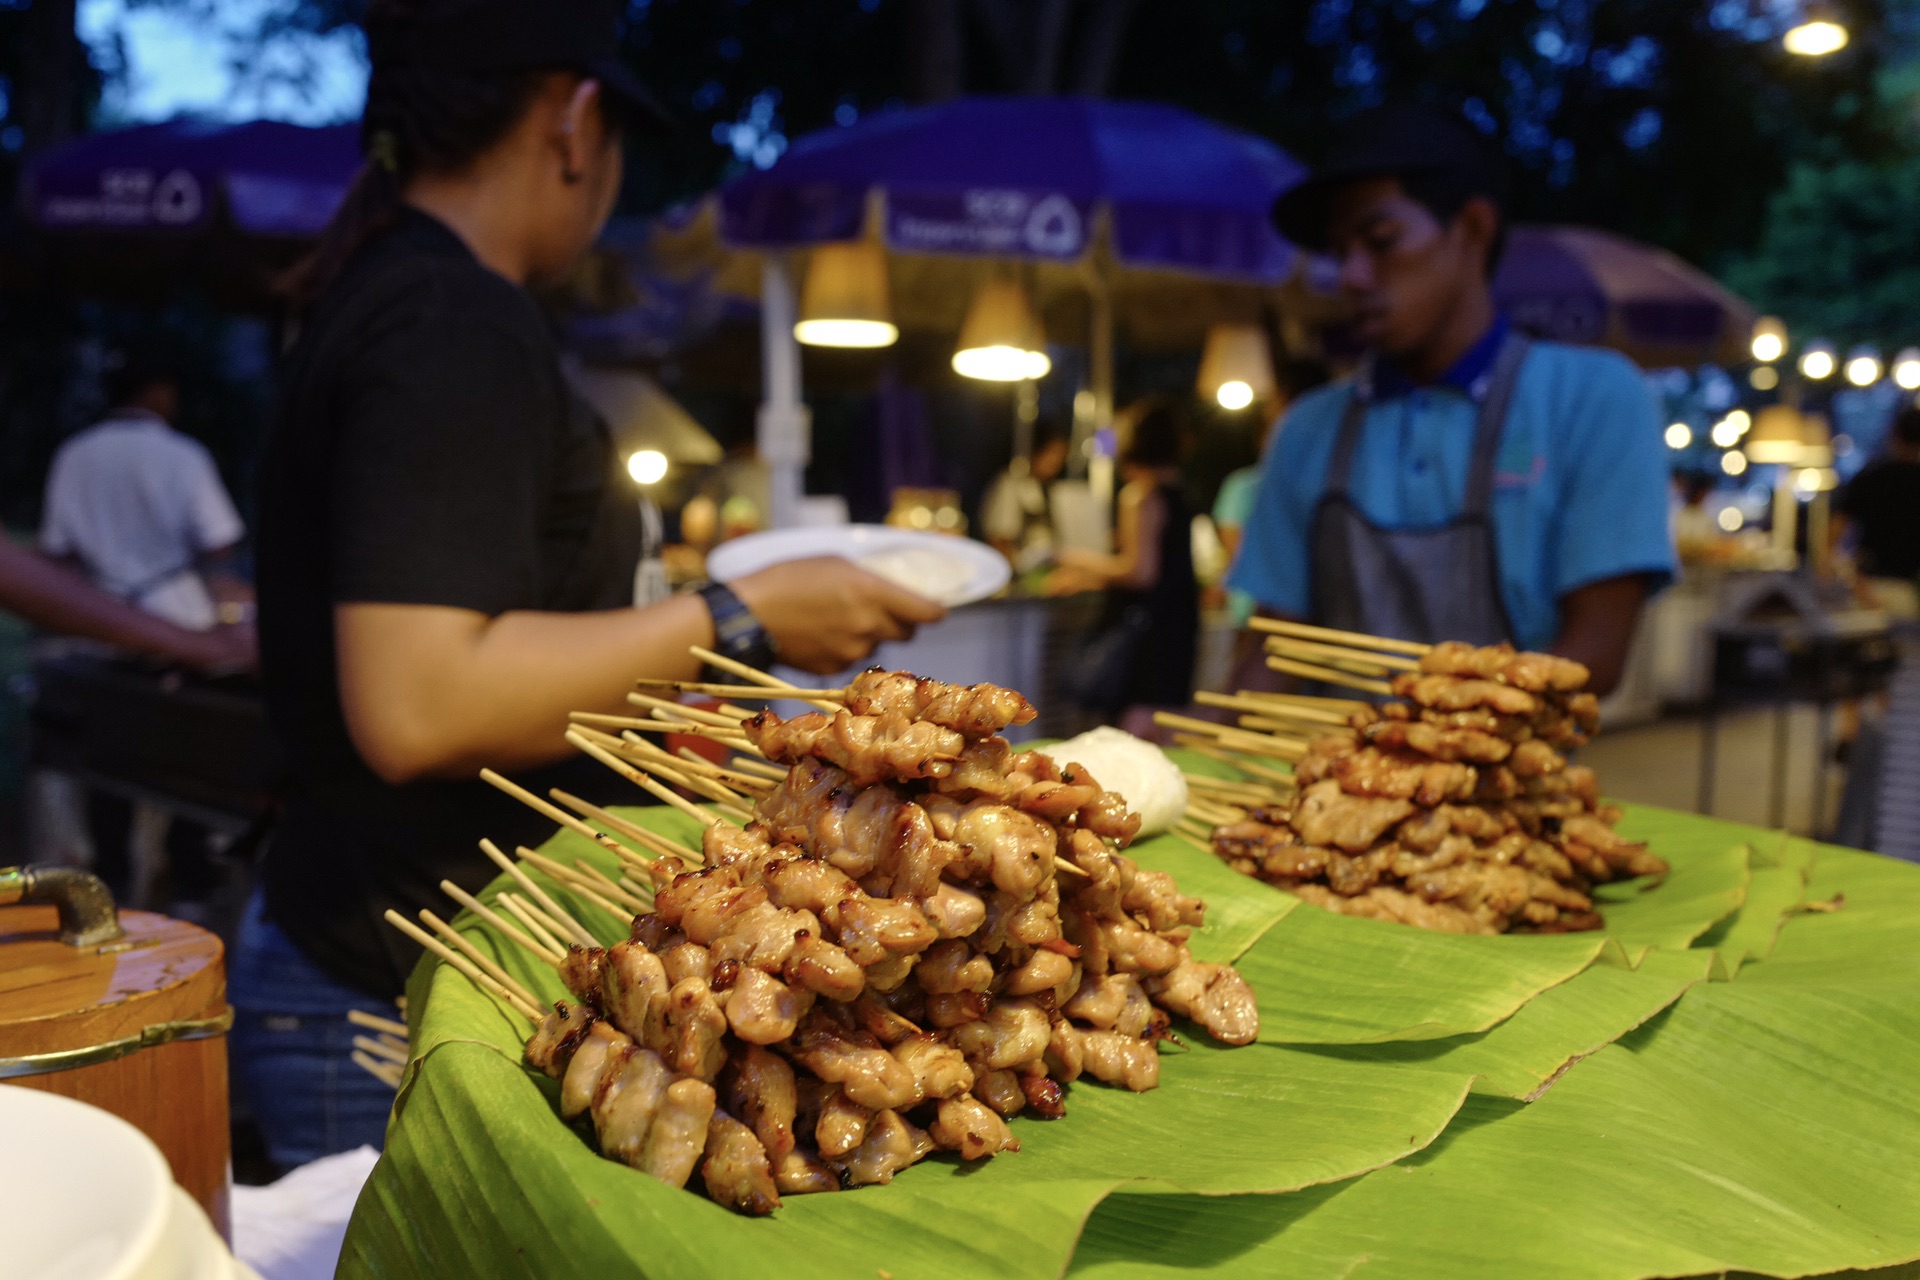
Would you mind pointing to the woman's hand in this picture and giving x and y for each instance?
(825, 614)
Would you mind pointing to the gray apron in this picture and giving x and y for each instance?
(1433, 584)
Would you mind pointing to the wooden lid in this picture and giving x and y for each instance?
(54, 997)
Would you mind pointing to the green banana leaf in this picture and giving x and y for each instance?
(1761, 1126)
(1523, 1056)
(1637, 1160)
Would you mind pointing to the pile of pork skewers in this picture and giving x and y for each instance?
(897, 932)
(1451, 807)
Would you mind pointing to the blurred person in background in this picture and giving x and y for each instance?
(1233, 504)
(1878, 513)
(1467, 483)
(140, 509)
(1142, 655)
(1015, 514)
(448, 536)
(57, 600)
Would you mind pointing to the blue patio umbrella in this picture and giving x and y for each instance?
(1032, 178)
(223, 205)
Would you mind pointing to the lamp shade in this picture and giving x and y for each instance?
(1816, 441)
(845, 302)
(1776, 435)
(1000, 340)
(1236, 366)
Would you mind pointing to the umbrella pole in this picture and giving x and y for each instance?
(1100, 467)
(784, 426)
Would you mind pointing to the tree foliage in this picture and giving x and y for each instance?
(1839, 256)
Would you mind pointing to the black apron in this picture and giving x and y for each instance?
(1434, 584)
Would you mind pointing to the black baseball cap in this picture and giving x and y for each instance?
(519, 35)
(1393, 142)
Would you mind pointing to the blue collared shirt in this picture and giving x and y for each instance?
(1579, 491)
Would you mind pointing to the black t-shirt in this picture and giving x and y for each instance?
(1884, 500)
(427, 450)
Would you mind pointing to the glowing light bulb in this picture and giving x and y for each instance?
(1815, 39)
(1727, 432)
(1734, 463)
(1807, 480)
(1234, 395)
(1906, 369)
(1679, 435)
(648, 466)
(1730, 519)
(1765, 378)
(1863, 368)
(1817, 362)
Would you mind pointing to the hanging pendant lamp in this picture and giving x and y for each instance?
(845, 301)
(1000, 340)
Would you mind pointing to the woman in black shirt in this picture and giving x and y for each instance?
(448, 542)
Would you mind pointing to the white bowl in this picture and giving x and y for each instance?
(89, 1197)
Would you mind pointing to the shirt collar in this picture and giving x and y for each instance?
(1469, 375)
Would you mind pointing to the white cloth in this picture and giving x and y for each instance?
(137, 503)
(292, 1229)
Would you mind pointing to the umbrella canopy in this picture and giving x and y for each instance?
(1030, 178)
(138, 211)
(1580, 284)
(1164, 213)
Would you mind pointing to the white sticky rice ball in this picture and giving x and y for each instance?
(1138, 770)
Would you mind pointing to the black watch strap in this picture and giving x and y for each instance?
(737, 634)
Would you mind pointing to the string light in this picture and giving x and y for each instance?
(1817, 361)
(648, 466)
(1734, 464)
(1679, 436)
(1730, 519)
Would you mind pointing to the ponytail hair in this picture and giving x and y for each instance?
(417, 120)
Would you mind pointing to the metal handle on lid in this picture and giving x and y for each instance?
(87, 914)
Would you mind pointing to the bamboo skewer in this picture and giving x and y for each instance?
(1239, 739)
(385, 1072)
(1333, 653)
(1327, 675)
(540, 806)
(691, 759)
(664, 764)
(373, 1022)
(567, 922)
(492, 917)
(642, 780)
(666, 708)
(723, 663)
(632, 830)
(758, 692)
(739, 742)
(546, 930)
(465, 966)
(569, 879)
(1353, 639)
(1259, 706)
(759, 764)
(382, 1047)
(466, 947)
(638, 902)
(1213, 751)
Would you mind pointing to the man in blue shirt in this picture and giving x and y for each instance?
(1466, 483)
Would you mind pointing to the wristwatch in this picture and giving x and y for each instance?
(737, 634)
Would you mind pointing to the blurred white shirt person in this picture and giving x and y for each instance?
(141, 509)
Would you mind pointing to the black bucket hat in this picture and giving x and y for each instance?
(1393, 142)
(522, 35)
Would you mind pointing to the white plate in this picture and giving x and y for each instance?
(977, 570)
